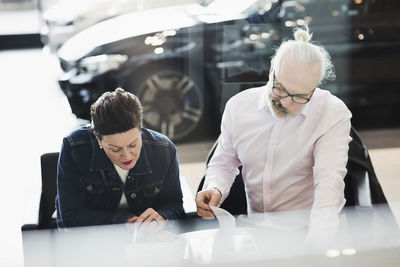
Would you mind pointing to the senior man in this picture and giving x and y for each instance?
(290, 137)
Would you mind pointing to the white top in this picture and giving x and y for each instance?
(292, 163)
(122, 174)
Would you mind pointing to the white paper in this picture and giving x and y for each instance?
(226, 220)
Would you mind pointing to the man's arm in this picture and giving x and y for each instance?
(221, 170)
(330, 155)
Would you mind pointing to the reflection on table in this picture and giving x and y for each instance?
(364, 236)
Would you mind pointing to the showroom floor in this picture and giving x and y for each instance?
(35, 116)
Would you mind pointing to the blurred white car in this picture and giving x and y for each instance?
(68, 17)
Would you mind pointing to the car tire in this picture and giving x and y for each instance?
(173, 102)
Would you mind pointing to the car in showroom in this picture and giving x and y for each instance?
(184, 62)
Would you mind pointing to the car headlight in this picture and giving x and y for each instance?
(102, 63)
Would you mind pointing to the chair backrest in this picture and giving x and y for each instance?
(362, 187)
(48, 164)
(236, 202)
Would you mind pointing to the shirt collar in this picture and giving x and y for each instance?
(307, 109)
(262, 100)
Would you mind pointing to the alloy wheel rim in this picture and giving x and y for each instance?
(172, 103)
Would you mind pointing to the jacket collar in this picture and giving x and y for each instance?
(100, 160)
(142, 166)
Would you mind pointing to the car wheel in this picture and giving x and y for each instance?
(172, 103)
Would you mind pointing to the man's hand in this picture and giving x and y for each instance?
(204, 200)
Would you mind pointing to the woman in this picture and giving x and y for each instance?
(116, 171)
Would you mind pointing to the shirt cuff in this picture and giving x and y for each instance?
(224, 191)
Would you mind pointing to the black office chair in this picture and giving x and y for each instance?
(48, 164)
(362, 187)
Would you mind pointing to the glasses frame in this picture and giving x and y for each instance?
(289, 94)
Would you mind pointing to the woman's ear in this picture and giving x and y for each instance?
(99, 142)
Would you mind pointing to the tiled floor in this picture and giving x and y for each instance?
(35, 116)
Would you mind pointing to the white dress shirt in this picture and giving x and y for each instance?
(293, 163)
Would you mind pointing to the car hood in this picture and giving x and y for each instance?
(129, 25)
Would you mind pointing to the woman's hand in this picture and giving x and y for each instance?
(147, 216)
(149, 220)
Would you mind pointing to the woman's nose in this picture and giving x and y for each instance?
(125, 154)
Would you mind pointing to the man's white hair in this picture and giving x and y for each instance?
(303, 50)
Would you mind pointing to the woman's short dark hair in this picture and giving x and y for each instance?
(116, 112)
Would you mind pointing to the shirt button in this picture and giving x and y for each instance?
(89, 187)
(156, 190)
(133, 195)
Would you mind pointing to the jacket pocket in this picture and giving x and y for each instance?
(152, 190)
(95, 193)
(143, 197)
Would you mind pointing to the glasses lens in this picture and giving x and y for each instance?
(279, 92)
(299, 100)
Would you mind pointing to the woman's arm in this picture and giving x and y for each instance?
(170, 204)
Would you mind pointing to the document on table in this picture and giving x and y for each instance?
(226, 220)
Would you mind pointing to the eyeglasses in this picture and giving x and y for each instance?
(283, 93)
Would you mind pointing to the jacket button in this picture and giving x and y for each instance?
(156, 190)
(89, 187)
(133, 195)
(129, 177)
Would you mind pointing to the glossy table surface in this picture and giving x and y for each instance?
(365, 236)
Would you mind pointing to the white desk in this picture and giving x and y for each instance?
(365, 237)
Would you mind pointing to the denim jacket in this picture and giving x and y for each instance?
(89, 189)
